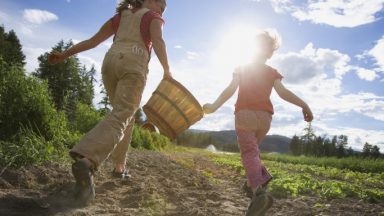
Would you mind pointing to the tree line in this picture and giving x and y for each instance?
(311, 145)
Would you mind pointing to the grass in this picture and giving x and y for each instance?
(294, 177)
(326, 178)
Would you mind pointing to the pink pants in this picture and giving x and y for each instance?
(251, 128)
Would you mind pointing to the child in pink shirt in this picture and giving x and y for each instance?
(253, 115)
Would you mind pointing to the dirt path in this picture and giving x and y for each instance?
(161, 184)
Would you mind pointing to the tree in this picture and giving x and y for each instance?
(10, 48)
(367, 149)
(350, 151)
(327, 148)
(375, 152)
(105, 104)
(295, 146)
(341, 145)
(308, 139)
(68, 82)
(318, 146)
(86, 90)
(333, 149)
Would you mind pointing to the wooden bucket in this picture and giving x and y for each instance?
(172, 108)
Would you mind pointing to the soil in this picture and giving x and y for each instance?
(161, 184)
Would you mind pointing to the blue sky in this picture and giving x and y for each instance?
(332, 54)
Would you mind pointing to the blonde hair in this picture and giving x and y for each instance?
(128, 4)
(273, 36)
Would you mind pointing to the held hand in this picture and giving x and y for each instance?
(307, 113)
(167, 75)
(55, 57)
(208, 108)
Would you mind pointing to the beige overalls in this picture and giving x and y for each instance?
(124, 73)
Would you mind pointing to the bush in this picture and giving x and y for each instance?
(85, 117)
(32, 130)
(25, 102)
(143, 139)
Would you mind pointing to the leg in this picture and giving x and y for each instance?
(250, 156)
(120, 152)
(97, 144)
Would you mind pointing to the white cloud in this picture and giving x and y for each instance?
(365, 74)
(310, 63)
(192, 55)
(37, 16)
(337, 13)
(178, 47)
(377, 52)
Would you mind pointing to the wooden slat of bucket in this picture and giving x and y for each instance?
(168, 115)
(161, 121)
(185, 111)
(161, 124)
(175, 105)
(183, 101)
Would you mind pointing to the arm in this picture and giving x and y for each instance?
(159, 45)
(103, 34)
(288, 96)
(224, 96)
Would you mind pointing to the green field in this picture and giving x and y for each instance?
(327, 178)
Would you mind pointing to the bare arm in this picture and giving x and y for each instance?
(224, 96)
(290, 97)
(103, 34)
(159, 45)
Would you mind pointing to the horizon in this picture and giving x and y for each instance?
(332, 55)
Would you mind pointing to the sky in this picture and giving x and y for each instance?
(332, 54)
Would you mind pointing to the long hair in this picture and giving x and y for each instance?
(128, 4)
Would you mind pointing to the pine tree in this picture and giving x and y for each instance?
(367, 149)
(10, 48)
(105, 104)
(295, 146)
(308, 139)
(333, 149)
(341, 145)
(64, 79)
(318, 147)
(327, 148)
(86, 90)
(375, 152)
(350, 152)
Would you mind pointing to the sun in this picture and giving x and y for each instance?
(236, 47)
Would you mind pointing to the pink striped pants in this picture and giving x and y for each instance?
(251, 128)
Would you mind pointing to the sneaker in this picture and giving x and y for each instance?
(85, 188)
(260, 203)
(123, 175)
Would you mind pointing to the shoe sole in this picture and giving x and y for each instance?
(84, 185)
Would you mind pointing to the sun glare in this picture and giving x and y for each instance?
(237, 47)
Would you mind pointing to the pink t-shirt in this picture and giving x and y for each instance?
(144, 25)
(255, 87)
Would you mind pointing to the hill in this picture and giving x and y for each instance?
(227, 141)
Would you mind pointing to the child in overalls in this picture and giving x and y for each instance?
(136, 26)
(253, 115)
